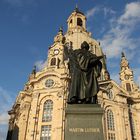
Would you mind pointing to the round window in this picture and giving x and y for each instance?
(49, 83)
(126, 77)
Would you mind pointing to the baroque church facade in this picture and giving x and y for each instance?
(39, 110)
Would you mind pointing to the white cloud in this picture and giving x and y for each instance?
(105, 10)
(91, 12)
(132, 14)
(6, 101)
(137, 75)
(3, 131)
(118, 38)
(4, 118)
(108, 11)
(40, 64)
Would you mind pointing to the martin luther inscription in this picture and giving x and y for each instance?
(84, 130)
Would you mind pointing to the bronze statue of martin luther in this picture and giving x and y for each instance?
(85, 67)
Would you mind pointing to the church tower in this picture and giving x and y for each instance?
(126, 76)
(39, 110)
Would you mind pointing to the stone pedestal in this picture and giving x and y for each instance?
(84, 122)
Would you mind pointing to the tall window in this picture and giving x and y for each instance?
(47, 111)
(79, 22)
(110, 125)
(53, 61)
(71, 23)
(45, 132)
(111, 136)
(128, 87)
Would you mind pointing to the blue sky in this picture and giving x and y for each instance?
(27, 29)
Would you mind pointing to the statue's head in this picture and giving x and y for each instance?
(85, 45)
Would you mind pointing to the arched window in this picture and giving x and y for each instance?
(110, 125)
(47, 111)
(53, 61)
(45, 132)
(110, 120)
(79, 22)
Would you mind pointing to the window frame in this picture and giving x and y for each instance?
(45, 131)
(110, 121)
(47, 111)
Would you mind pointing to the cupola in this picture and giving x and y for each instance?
(76, 20)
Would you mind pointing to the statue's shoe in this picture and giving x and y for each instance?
(72, 101)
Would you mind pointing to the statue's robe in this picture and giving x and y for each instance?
(85, 68)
